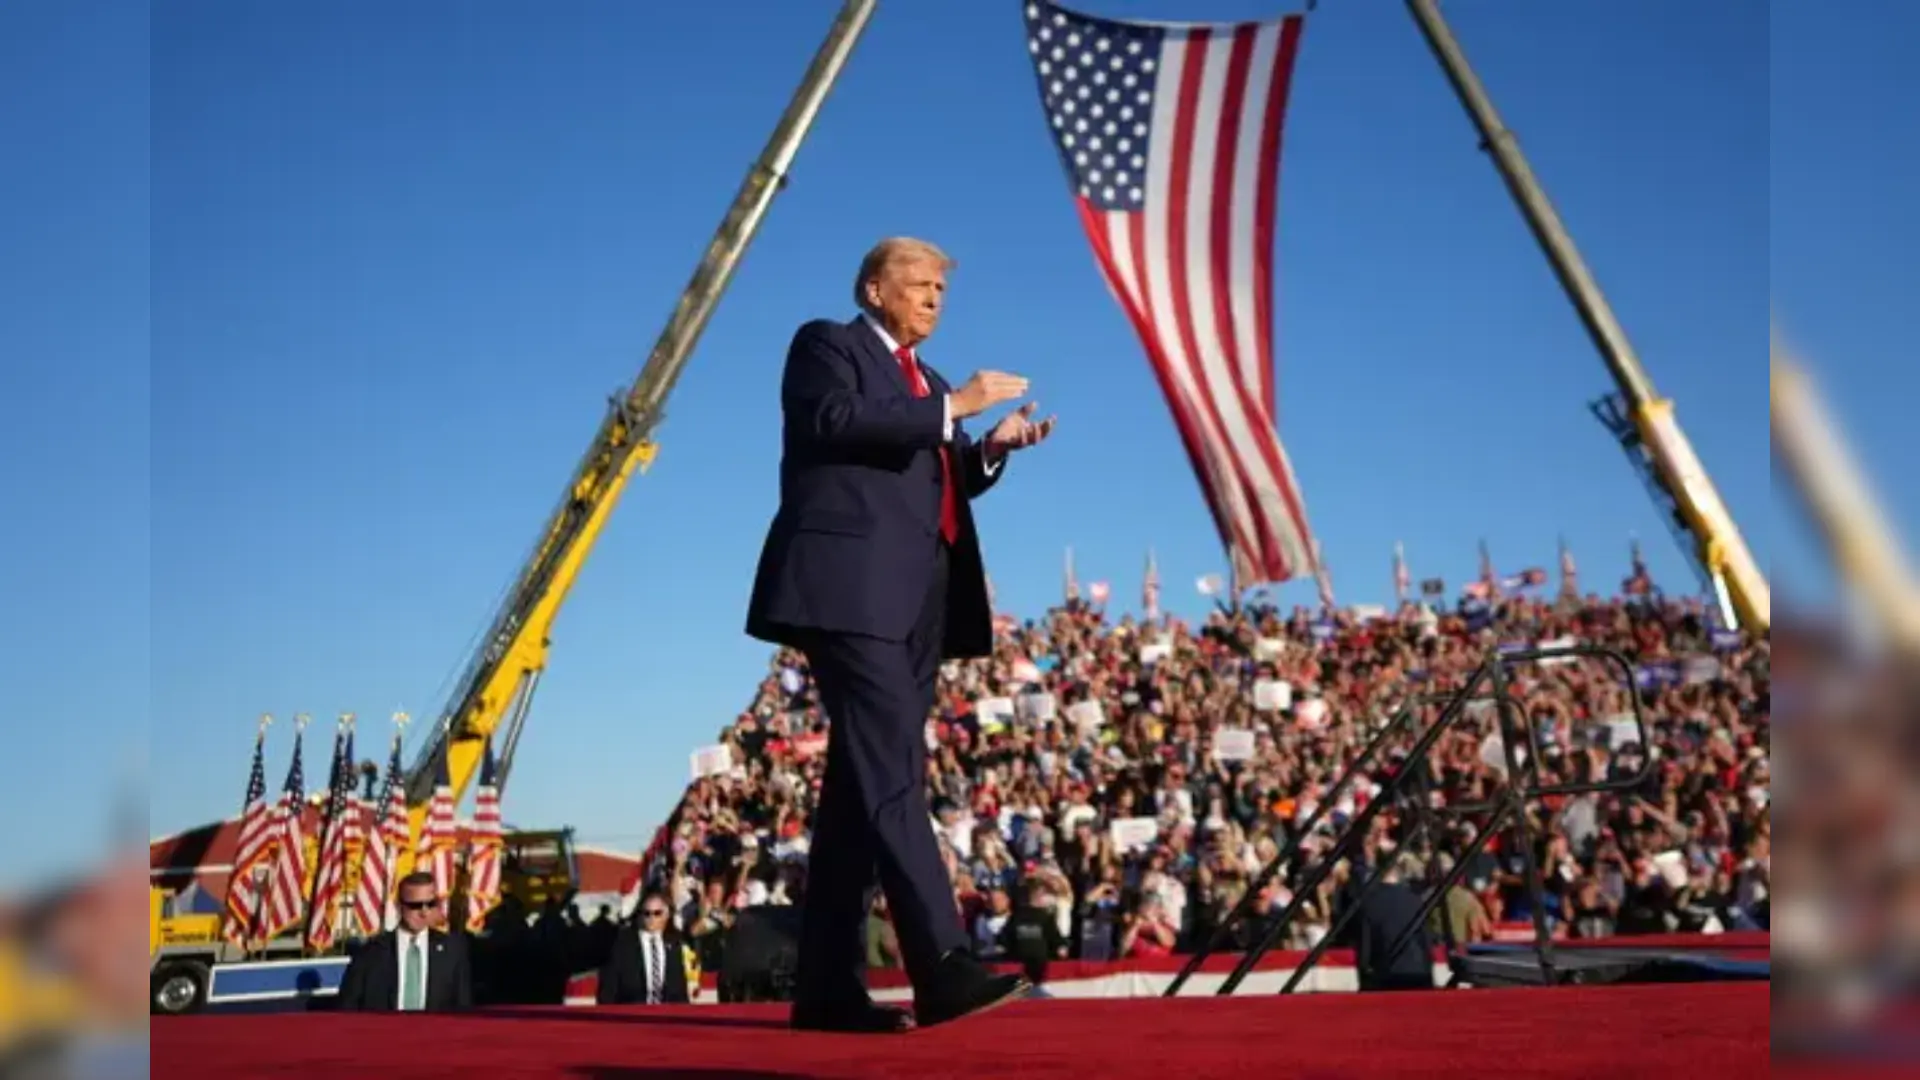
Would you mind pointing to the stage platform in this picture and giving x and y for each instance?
(1665, 959)
(1699, 1031)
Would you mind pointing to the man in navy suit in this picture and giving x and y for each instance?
(872, 569)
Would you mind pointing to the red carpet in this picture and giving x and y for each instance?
(1696, 1031)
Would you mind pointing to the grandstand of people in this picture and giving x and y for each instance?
(1149, 769)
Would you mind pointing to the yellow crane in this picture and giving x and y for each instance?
(1639, 417)
(1866, 552)
(496, 687)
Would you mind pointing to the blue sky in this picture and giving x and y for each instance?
(298, 396)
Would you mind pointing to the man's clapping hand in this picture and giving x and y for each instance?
(1018, 430)
(985, 390)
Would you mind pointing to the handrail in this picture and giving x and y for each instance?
(1408, 709)
(1356, 829)
(1507, 811)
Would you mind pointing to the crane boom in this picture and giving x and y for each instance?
(1718, 548)
(1864, 549)
(498, 682)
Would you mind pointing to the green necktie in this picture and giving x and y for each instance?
(413, 991)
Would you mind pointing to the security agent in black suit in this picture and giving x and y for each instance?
(413, 967)
(648, 965)
(1384, 915)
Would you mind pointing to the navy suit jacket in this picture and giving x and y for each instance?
(851, 549)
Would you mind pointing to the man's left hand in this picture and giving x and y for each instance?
(1018, 430)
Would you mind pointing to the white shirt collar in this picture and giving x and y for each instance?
(893, 347)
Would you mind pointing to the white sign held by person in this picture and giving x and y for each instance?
(1036, 708)
(994, 712)
(1233, 744)
(1272, 695)
(1267, 649)
(1086, 715)
(1564, 641)
(1493, 753)
(1154, 652)
(1621, 730)
(1699, 669)
(716, 760)
(1311, 714)
(1133, 834)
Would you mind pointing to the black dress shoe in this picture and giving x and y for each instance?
(860, 1018)
(961, 986)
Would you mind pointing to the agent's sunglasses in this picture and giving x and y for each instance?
(418, 905)
(655, 913)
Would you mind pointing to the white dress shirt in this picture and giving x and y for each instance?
(403, 941)
(653, 949)
(991, 462)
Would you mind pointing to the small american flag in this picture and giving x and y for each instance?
(1640, 582)
(1170, 135)
(484, 848)
(440, 835)
(1322, 578)
(287, 885)
(241, 918)
(385, 842)
(1402, 577)
(1569, 574)
(1150, 588)
(329, 877)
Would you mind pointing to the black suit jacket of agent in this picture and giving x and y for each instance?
(372, 981)
(623, 979)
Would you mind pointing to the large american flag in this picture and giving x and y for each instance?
(484, 847)
(330, 876)
(385, 841)
(287, 883)
(440, 834)
(240, 923)
(1170, 134)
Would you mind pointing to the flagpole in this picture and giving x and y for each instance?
(258, 916)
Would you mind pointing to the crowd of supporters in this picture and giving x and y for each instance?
(1148, 771)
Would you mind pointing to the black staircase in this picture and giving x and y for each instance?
(1406, 789)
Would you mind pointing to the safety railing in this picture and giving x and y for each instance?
(1406, 789)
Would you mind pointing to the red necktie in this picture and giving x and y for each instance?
(949, 509)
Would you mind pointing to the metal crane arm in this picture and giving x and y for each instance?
(497, 684)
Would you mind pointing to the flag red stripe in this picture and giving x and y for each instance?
(1220, 262)
(1269, 195)
(1178, 281)
(1278, 89)
(1138, 306)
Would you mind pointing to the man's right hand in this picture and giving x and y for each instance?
(985, 390)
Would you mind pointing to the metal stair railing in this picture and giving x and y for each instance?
(1400, 720)
(1517, 794)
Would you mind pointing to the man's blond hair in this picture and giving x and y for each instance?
(894, 249)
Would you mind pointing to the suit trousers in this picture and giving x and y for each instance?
(873, 812)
